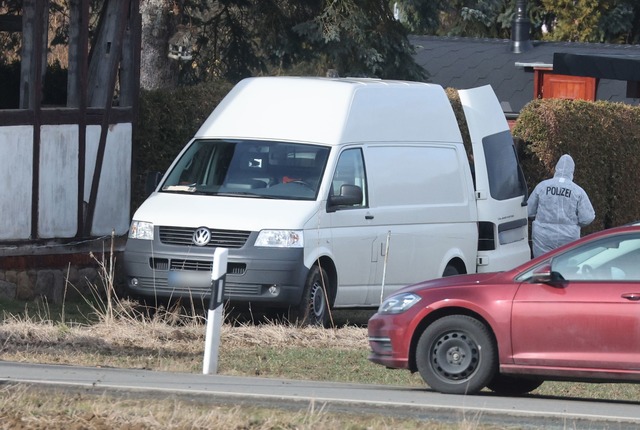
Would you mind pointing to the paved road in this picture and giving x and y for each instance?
(524, 412)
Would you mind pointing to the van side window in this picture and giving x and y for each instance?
(350, 171)
(502, 162)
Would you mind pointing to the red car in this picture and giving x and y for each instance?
(572, 314)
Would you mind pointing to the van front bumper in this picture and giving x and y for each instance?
(274, 277)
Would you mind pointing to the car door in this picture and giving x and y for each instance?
(590, 320)
(501, 191)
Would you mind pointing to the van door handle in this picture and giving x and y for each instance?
(631, 296)
(368, 216)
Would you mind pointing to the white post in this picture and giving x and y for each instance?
(214, 315)
(384, 267)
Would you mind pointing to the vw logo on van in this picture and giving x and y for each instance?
(201, 236)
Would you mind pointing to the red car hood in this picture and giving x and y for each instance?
(459, 280)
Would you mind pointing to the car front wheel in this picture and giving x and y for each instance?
(456, 354)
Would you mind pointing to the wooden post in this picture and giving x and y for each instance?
(35, 25)
(128, 72)
(107, 52)
(109, 49)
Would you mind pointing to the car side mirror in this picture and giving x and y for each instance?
(349, 195)
(544, 275)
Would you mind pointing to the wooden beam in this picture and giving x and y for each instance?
(106, 52)
(77, 94)
(11, 23)
(119, 14)
(129, 66)
(35, 23)
(73, 70)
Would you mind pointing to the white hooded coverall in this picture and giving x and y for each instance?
(560, 208)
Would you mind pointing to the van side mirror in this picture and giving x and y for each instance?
(152, 181)
(349, 195)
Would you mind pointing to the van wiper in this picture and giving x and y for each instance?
(244, 194)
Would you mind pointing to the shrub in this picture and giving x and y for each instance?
(167, 120)
(602, 137)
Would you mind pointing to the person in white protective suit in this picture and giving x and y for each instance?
(560, 208)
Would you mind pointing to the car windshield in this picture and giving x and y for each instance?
(261, 169)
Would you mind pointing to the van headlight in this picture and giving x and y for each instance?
(141, 230)
(398, 303)
(280, 238)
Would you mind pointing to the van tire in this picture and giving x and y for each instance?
(313, 309)
(450, 270)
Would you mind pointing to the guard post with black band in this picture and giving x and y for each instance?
(214, 315)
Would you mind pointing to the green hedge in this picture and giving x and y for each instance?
(167, 120)
(603, 138)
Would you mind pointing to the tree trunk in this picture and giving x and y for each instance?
(156, 69)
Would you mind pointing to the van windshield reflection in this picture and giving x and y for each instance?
(249, 168)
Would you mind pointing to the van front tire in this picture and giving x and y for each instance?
(450, 270)
(313, 308)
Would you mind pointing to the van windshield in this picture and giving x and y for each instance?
(263, 169)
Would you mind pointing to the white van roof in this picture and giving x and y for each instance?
(333, 111)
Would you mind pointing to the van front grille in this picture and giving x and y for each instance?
(231, 290)
(183, 236)
(196, 265)
(199, 266)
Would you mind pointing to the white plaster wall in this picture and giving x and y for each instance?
(58, 187)
(114, 192)
(16, 165)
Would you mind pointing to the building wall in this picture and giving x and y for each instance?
(16, 155)
(59, 182)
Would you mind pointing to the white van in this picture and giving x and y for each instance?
(332, 193)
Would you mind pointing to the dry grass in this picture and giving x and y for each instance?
(172, 343)
(132, 334)
(25, 407)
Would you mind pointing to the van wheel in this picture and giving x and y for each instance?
(450, 270)
(313, 308)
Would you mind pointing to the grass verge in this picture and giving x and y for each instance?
(167, 341)
(107, 331)
(31, 407)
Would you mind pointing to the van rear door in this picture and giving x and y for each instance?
(501, 190)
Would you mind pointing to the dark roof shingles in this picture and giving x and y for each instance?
(467, 63)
